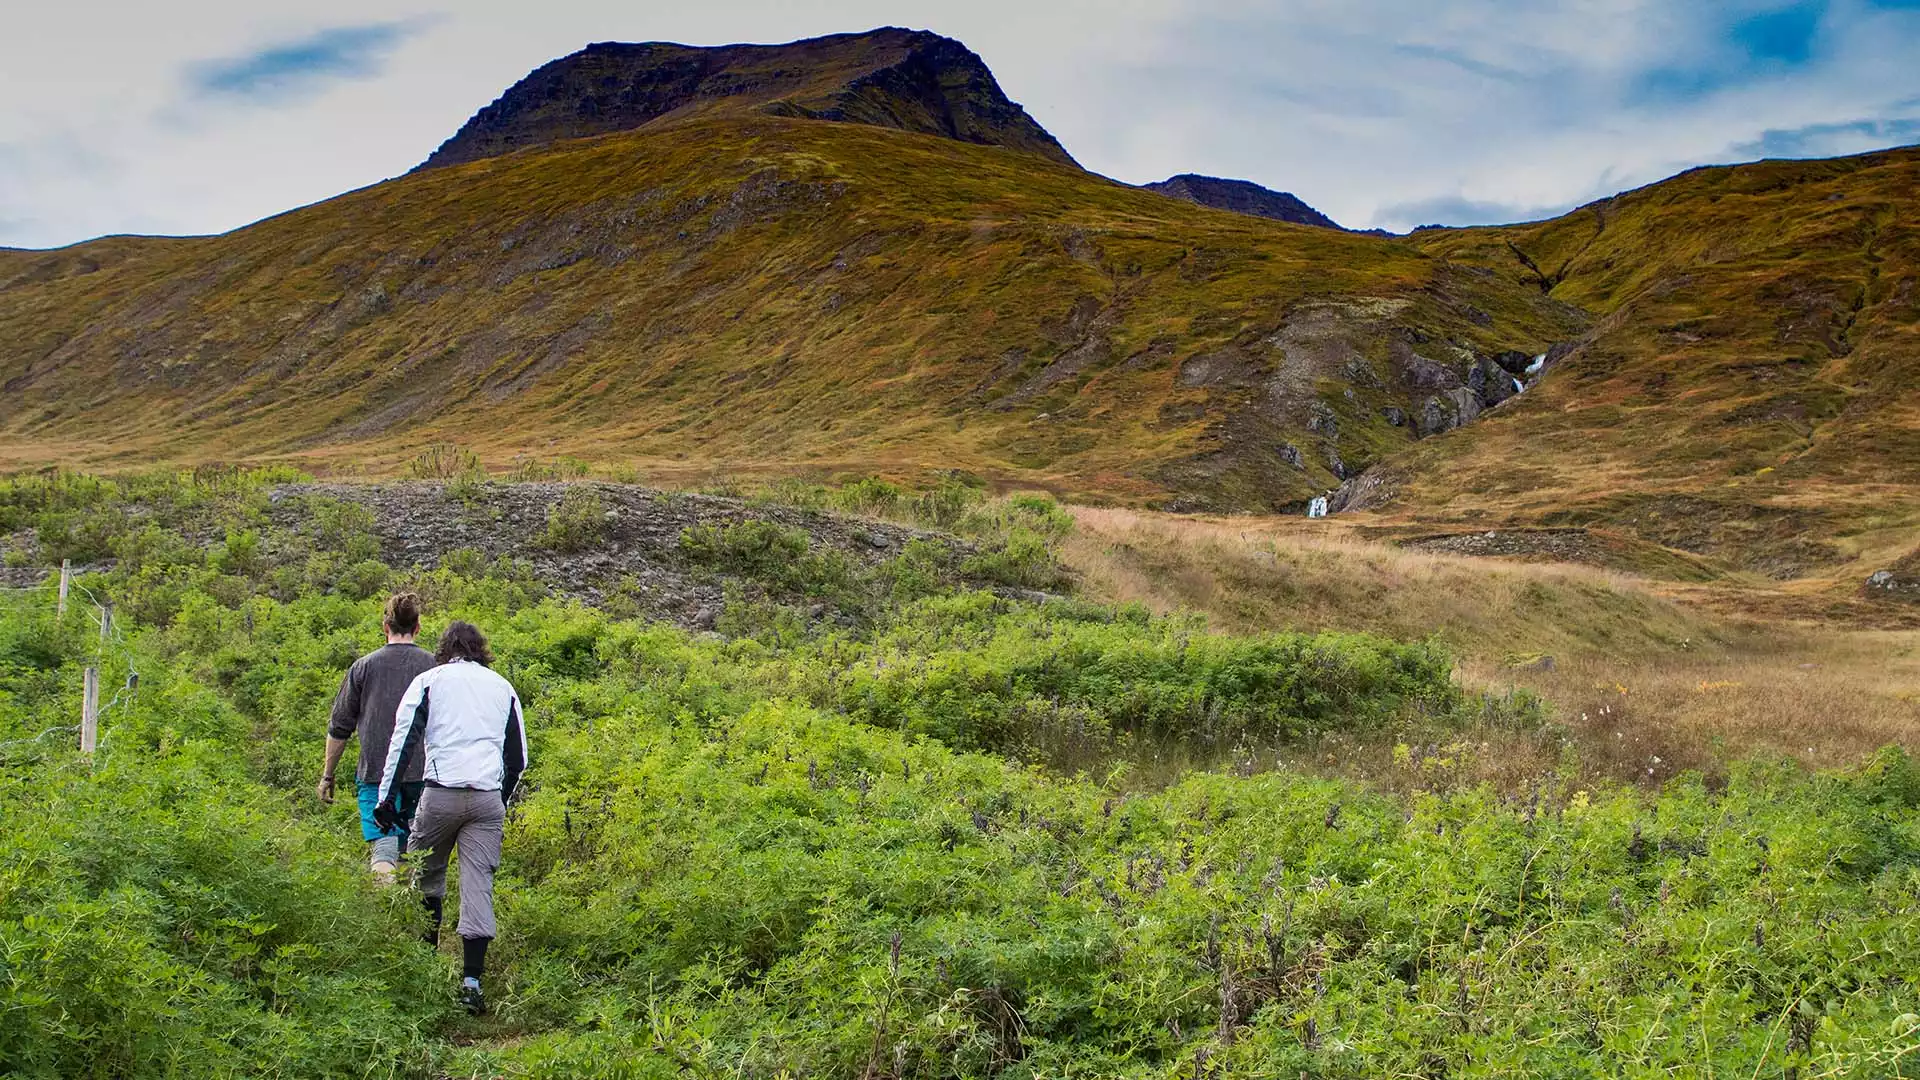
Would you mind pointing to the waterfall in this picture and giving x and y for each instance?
(1538, 363)
(1318, 507)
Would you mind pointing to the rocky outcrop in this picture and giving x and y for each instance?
(906, 79)
(1489, 381)
(1900, 582)
(1241, 197)
(1453, 399)
(1370, 490)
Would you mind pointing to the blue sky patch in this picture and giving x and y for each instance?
(1782, 36)
(294, 68)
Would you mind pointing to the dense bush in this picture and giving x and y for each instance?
(579, 521)
(979, 672)
(780, 557)
(160, 915)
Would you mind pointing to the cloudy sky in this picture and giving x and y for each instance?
(202, 115)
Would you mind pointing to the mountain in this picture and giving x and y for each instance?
(1749, 388)
(764, 292)
(1242, 197)
(1720, 369)
(905, 79)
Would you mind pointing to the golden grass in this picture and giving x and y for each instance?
(1258, 573)
(1640, 670)
(778, 295)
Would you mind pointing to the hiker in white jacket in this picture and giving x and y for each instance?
(465, 720)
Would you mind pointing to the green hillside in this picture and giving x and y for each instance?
(762, 293)
(1751, 385)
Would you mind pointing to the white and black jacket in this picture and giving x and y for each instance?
(466, 719)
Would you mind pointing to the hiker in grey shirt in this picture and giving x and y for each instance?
(368, 700)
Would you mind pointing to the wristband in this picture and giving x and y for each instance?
(326, 776)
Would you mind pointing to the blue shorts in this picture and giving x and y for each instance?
(406, 800)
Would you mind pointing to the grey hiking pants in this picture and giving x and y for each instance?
(473, 820)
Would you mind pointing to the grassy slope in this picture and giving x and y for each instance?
(1750, 389)
(1648, 680)
(768, 293)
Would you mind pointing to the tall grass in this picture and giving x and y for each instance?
(1641, 671)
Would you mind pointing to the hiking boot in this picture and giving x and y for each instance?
(472, 999)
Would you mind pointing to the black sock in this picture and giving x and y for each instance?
(436, 905)
(474, 958)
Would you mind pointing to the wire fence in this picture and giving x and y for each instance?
(111, 648)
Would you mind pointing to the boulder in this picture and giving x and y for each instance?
(1466, 406)
(1491, 382)
(1324, 420)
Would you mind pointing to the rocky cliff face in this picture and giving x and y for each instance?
(905, 79)
(1242, 197)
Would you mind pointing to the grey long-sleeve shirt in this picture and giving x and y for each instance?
(368, 699)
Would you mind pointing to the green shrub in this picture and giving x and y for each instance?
(781, 558)
(870, 495)
(343, 529)
(972, 674)
(922, 569)
(364, 579)
(163, 918)
(1024, 559)
(446, 461)
(943, 506)
(580, 521)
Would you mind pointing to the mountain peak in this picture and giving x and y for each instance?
(913, 80)
(1241, 197)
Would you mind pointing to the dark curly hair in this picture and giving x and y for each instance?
(464, 641)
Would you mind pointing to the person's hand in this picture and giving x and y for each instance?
(387, 818)
(324, 789)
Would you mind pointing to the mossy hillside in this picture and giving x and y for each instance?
(1750, 388)
(766, 293)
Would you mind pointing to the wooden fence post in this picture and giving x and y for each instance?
(106, 623)
(90, 712)
(66, 576)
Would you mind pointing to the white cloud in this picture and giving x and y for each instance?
(1372, 110)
